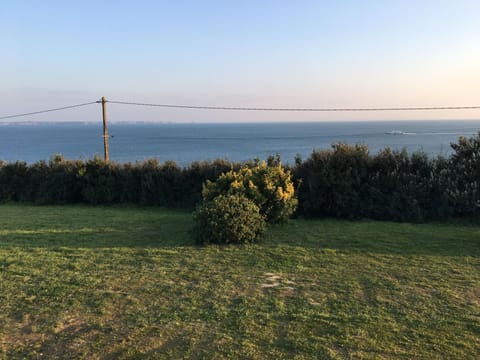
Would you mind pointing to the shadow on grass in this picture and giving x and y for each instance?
(94, 227)
(461, 238)
(363, 236)
(135, 227)
(103, 238)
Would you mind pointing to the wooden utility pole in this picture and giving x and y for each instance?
(105, 129)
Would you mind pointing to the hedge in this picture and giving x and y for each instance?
(344, 181)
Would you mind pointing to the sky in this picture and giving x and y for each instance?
(269, 53)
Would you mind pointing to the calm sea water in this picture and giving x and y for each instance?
(185, 143)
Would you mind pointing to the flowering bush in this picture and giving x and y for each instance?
(269, 186)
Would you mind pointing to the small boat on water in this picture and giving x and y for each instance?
(396, 132)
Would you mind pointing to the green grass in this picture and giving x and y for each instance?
(128, 283)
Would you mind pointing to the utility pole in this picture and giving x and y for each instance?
(105, 129)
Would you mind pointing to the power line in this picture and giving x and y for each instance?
(47, 110)
(238, 108)
(416, 108)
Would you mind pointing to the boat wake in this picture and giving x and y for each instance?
(399, 132)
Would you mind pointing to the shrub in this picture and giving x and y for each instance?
(14, 181)
(463, 176)
(103, 182)
(347, 182)
(398, 185)
(57, 181)
(196, 174)
(159, 184)
(269, 186)
(228, 219)
(334, 182)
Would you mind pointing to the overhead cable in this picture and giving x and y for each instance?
(47, 110)
(239, 108)
(201, 107)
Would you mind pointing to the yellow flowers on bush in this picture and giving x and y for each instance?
(269, 186)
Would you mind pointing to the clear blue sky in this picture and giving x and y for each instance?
(240, 53)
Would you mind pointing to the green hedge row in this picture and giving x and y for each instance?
(344, 181)
(95, 181)
(348, 182)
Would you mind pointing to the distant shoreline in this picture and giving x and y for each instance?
(42, 122)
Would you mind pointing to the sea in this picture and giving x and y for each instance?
(185, 143)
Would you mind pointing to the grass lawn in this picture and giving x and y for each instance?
(127, 282)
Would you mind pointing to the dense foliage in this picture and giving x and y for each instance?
(269, 186)
(344, 181)
(347, 182)
(95, 181)
(463, 176)
(228, 219)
